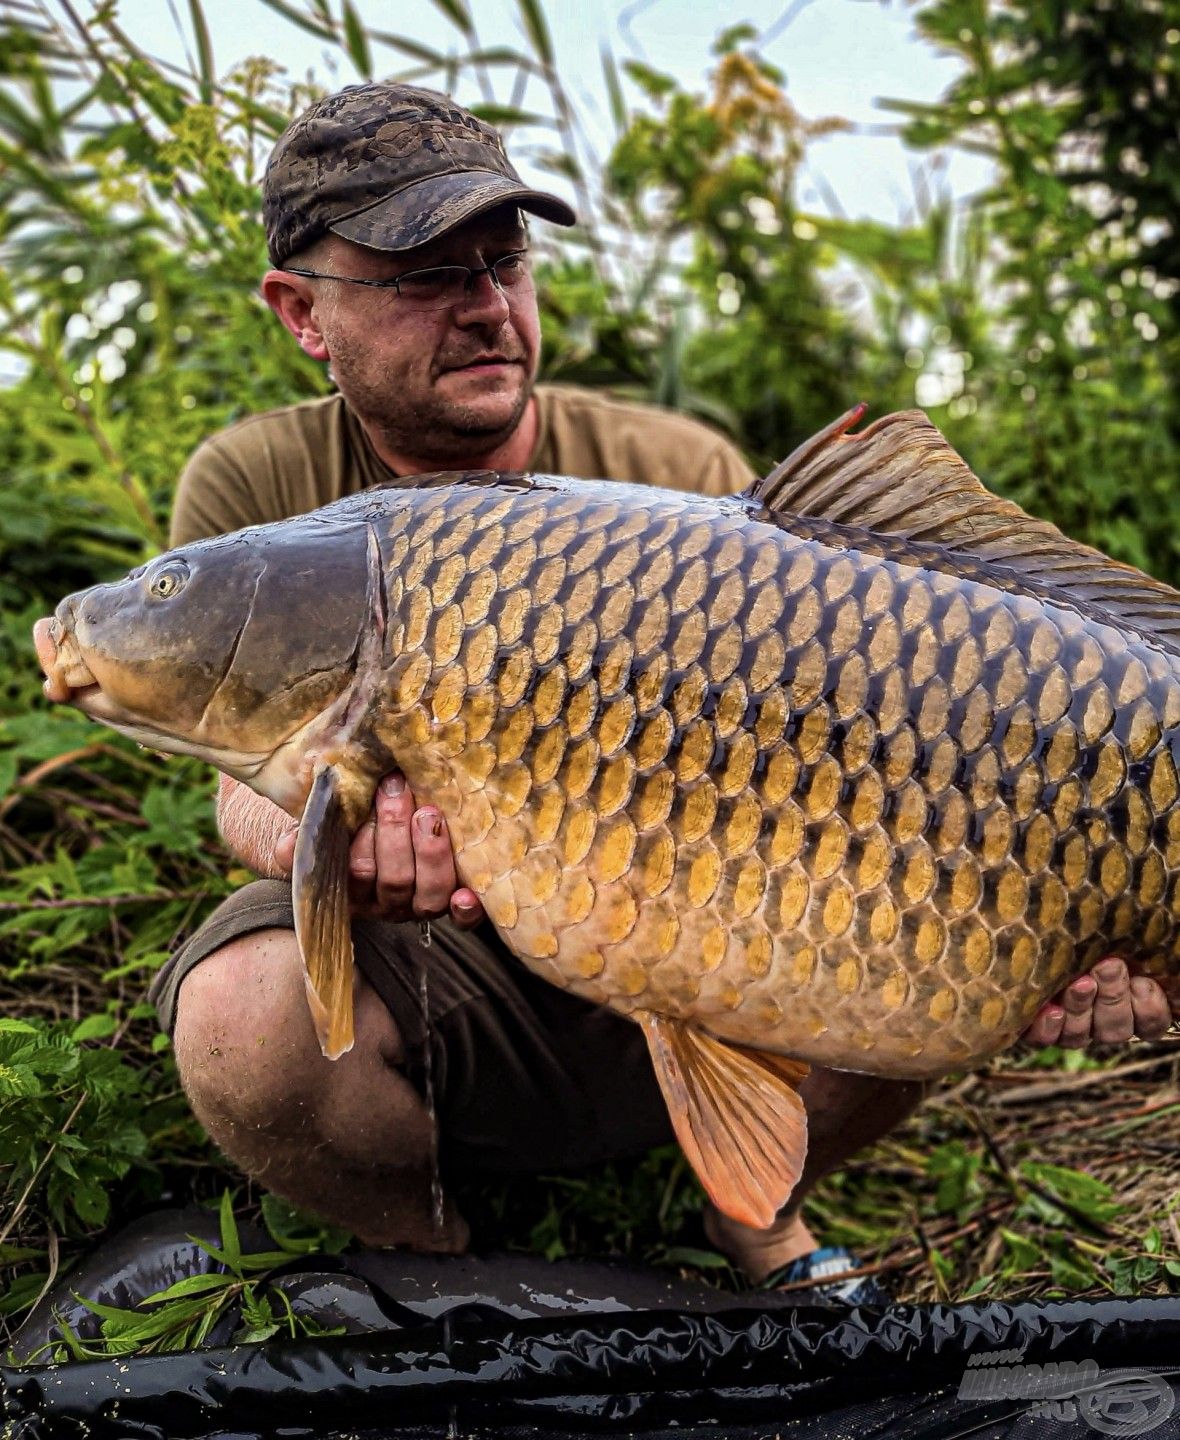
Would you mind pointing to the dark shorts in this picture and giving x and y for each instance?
(525, 1077)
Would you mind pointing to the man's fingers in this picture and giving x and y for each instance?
(284, 851)
(1106, 1007)
(401, 866)
(1152, 1012)
(394, 854)
(466, 911)
(434, 864)
(1113, 1020)
(1046, 1028)
(362, 863)
(1078, 1001)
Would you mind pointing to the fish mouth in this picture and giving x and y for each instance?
(67, 675)
(69, 680)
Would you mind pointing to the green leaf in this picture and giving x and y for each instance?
(697, 1259)
(500, 55)
(413, 48)
(254, 1263)
(192, 1285)
(508, 115)
(204, 51)
(90, 1204)
(654, 84)
(357, 41)
(133, 1329)
(457, 13)
(537, 29)
(256, 1334)
(614, 90)
(230, 1244)
(1023, 1253)
(557, 162)
(21, 1293)
(298, 17)
(299, 1233)
(15, 1254)
(8, 771)
(729, 39)
(94, 1027)
(1084, 1193)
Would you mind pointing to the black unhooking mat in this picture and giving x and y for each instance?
(512, 1348)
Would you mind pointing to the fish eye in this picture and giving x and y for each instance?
(168, 580)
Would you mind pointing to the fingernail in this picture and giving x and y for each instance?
(429, 822)
(1108, 969)
(1142, 987)
(1084, 985)
(1054, 1012)
(393, 785)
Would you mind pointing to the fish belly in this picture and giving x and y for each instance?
(840, 805)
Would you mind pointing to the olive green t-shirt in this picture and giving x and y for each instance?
(287, 462)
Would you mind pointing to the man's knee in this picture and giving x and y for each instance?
(243, 1033)
(245, 1044)
(349, 1139)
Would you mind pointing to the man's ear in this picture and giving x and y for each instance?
(292, 299)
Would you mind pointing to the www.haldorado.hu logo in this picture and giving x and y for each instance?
(1112, 1402)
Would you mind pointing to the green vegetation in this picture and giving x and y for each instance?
(1039, 325)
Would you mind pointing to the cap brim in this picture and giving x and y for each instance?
(429, 208)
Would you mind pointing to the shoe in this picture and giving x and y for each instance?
(824, 1267)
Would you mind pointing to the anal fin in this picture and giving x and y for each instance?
(319, 882)
(737, 1115)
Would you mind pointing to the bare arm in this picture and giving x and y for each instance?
(251, 826)
(401, 866)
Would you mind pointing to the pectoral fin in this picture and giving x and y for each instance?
(320, 887)
(737, 1115)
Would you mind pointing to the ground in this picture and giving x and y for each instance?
(1048, 1174)
(1044, 1175)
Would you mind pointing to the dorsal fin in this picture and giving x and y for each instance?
(901, 477)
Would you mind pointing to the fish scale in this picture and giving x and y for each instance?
(857, 768)
(807, 797)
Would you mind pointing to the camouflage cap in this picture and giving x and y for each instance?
(389, 166)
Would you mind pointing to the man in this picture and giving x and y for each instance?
(398, 251)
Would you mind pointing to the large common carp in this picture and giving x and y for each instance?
(857, 768)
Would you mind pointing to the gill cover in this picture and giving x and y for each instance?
(259, 651)
(231, 643)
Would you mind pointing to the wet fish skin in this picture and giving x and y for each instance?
(856, 808)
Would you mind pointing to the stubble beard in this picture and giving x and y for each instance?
(433, 429)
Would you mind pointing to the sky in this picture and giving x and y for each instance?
(840, 58)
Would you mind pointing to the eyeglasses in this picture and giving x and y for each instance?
(442, 285)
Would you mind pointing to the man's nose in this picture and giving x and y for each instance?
(483, 303)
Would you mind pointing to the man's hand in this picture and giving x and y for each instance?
(401, 866)
(1105, 1007)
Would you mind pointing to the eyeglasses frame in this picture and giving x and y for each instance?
(395, 281)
